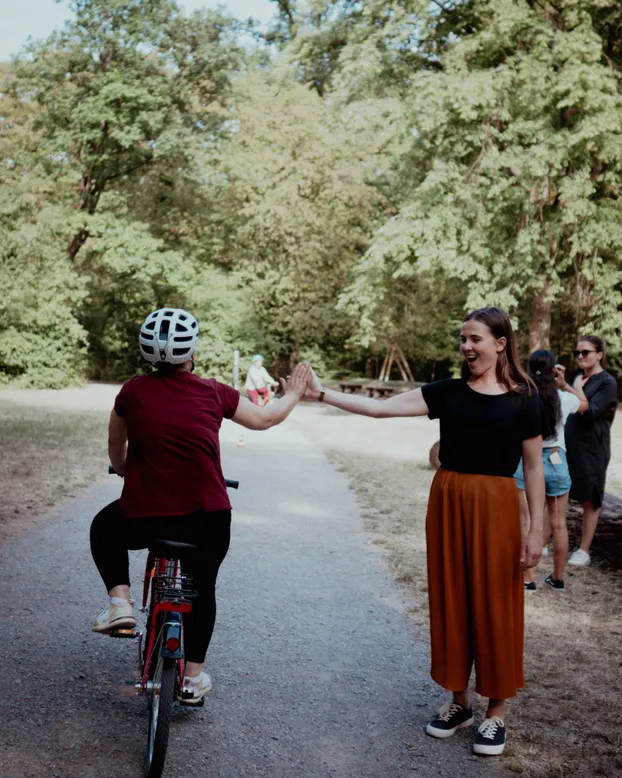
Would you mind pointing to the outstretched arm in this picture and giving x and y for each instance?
(406, 404)
(257, 417)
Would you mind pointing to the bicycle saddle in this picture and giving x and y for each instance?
(171, 549)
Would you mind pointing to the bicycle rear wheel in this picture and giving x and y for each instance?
(161, 710)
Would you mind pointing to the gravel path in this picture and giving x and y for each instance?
(317, 671)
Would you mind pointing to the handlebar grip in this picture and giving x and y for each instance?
(229, 484)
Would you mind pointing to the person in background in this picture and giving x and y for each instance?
(559, 400)
(588, 438)
(258, 382)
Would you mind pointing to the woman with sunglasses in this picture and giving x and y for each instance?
(588, 438)
(488, 418)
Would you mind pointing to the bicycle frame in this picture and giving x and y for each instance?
(172, 627)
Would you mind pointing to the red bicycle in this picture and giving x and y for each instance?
(167, 595)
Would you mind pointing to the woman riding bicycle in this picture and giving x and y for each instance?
(163, 439)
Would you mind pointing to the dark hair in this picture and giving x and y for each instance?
(509, 370)
(165, 368)
(599, 345)
(541, 369)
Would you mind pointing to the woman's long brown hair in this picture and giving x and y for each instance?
(509, 371)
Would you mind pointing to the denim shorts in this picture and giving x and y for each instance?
(556, 477)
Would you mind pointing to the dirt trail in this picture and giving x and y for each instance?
(317, 670)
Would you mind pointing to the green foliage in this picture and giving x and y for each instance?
(517, 140)
(223, 306)
(392, 165)
(304, 209)
(41, 341)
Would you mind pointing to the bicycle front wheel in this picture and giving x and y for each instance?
(162, 699)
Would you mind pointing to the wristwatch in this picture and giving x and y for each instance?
(321, 396)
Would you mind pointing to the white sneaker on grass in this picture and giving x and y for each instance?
(118, 614)
(579, 558)
(194, 689)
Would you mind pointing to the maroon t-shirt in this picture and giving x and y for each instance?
(173, 458)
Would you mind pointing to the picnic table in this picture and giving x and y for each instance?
(378, 389)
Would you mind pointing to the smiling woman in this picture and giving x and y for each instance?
(488, 419)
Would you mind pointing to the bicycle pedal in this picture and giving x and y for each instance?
(125, 633)
(188, 704)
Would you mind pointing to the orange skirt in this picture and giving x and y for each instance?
(475, 584)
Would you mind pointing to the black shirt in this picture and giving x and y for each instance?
(482, 433)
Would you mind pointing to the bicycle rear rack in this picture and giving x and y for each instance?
(177, 588)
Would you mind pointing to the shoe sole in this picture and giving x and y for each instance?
(124, 622)
(193, 702)
(443, 733)
(190, 704)
(580, 564)
(488, 750)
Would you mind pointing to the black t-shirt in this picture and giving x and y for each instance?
(482, 433)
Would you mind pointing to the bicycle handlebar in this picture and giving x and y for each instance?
(228, 483)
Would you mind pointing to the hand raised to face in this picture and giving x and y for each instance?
(560, 375)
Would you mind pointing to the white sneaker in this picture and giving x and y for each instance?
(115, 616)
(194, 689)
(579, 558)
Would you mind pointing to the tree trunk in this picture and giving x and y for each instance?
(540, 325)
(78, 240)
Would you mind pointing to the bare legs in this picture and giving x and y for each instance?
(122, 591)
(556, 511)
(495, 707)
(555, 526)
(590, 520)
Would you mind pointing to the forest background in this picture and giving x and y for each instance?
(361, 173)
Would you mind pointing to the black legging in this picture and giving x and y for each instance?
(112, 535)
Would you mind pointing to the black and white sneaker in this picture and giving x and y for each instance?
(554, 583)
(451, 717)
(530, 586)
(490, 738)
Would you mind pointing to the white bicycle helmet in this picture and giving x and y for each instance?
(168, 335)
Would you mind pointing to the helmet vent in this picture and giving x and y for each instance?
(168, 335)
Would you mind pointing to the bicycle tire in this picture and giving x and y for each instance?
(161, 711)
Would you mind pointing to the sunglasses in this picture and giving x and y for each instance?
(584, 352)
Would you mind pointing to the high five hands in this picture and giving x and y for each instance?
(297, 382)
(303, 382)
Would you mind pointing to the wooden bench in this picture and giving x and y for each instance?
(352, 387)
(378, 389)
